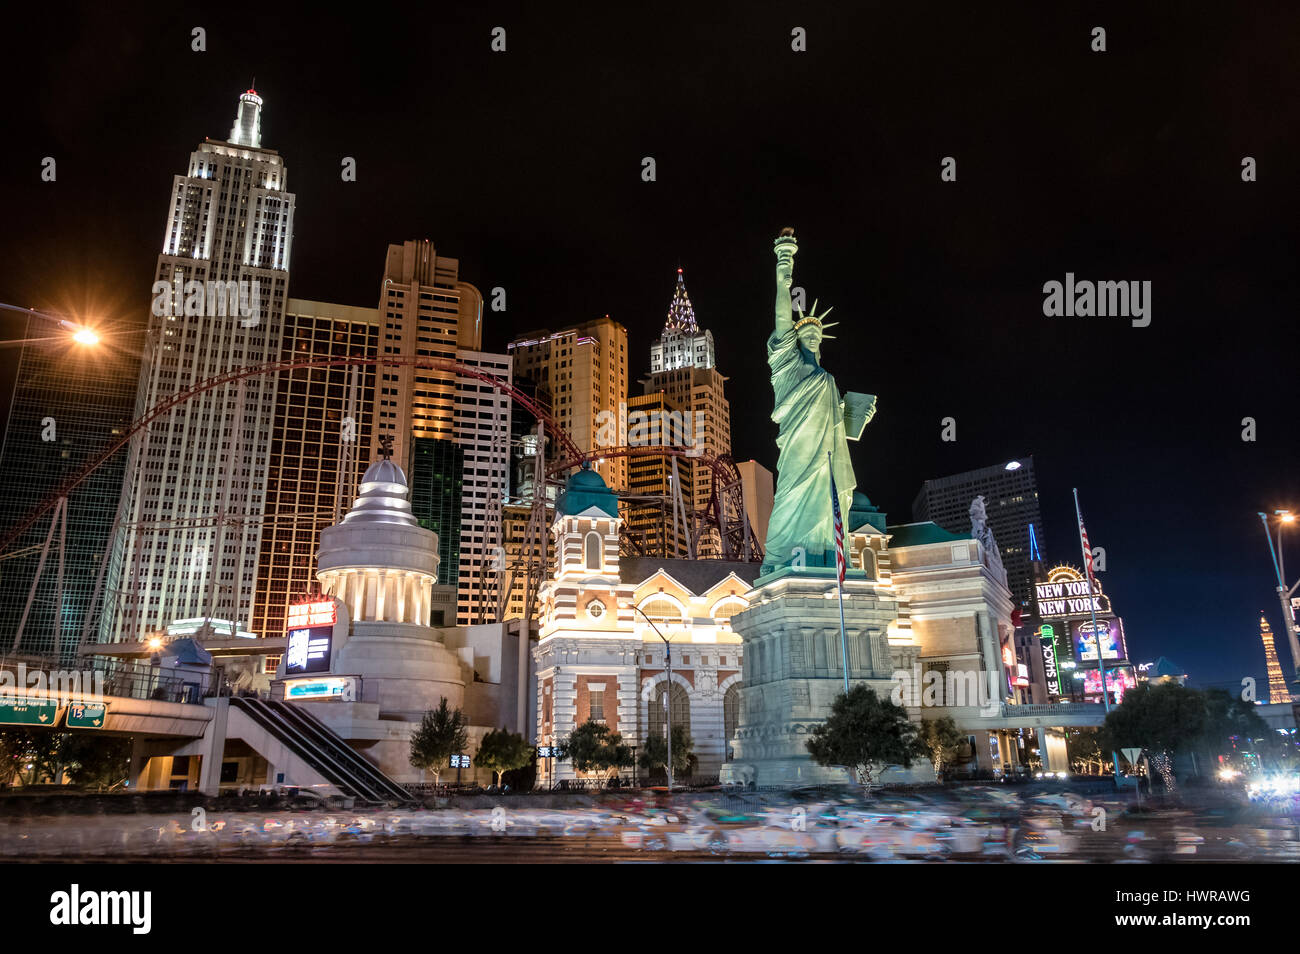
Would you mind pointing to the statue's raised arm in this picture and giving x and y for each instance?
(785, 246)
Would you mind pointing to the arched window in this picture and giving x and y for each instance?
(662, 611)
(681, 710)
(869, 562)
(727, 607)
(594, 557)
(730, 718)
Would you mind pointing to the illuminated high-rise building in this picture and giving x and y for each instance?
(193, 497)
(1010, 494)
(1277, 691)
(319, 448)
(69, 404)
(584, 367)
(427, 311)
(683, 369)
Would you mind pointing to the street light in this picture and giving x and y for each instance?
(668, 693)
(1284, 517)
(79, 333)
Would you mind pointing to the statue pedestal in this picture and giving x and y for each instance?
(793, 669)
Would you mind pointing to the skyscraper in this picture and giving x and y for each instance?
(69, 404)
(683, 368)
(428, 312)
(319, 448)
(1277, 690)
(1010, 493)
(192, 502)
(584, 367)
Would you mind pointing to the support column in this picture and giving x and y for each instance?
(1055, 756)
(139, 763)
(214, 748)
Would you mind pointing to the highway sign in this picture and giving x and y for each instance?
(86, 715)
(28, 712)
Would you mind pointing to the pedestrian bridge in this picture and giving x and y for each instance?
(173, 722)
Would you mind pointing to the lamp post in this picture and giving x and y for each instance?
(668, 693)
(1284, 518)
(74, 331)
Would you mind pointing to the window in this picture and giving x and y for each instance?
(730, 718)
(596, 708)
(681, 710)
(594, 558)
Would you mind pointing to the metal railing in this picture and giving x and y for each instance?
(1051, 709)
(112, 677)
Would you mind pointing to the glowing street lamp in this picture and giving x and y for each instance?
(77, 332)
(1284, 518)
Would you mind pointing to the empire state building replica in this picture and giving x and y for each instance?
(189, 521)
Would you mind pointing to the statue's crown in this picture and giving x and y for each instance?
(814, 319)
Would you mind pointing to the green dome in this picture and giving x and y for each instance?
(583, 490)
(862, 511)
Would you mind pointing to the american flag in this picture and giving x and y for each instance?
(1087, 555)
(839, 527)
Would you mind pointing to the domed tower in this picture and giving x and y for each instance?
(379, 560)
(587, 642)
(382, 565)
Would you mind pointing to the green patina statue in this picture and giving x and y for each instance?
(815, 423)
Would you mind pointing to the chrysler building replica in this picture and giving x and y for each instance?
(189, 522)
(685, 387)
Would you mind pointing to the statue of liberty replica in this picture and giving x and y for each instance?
(816, 422)
(802, 644)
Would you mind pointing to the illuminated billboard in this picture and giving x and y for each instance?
(318, 613)
(1118, 680)
(1047, 640)
(309, 637)
(325, 687)
(1067, 593)
(1111, 635)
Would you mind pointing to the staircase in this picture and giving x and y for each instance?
(323, 749)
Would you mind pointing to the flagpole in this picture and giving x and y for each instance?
(839, 582)
(1092, 609)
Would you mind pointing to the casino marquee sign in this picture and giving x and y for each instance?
(1067, 593)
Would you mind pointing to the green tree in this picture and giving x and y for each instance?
(1163, 719)
(502, 751)
(653, 756)
(98, 762)
(942, 740)
(1083, 751)
(592, 747)
(440, 735)
(45, 755)
(15, 744)
(1232, 727)
(866, 734)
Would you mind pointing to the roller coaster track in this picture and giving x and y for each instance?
(726, 480)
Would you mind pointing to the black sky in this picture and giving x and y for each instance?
(526, 165)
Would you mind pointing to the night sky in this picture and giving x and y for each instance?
(526, 165)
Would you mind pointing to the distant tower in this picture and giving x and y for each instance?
(684, 381)
(1277, 692)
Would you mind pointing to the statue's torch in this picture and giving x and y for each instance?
(785, 246)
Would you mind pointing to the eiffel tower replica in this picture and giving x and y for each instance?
(1277, 691)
